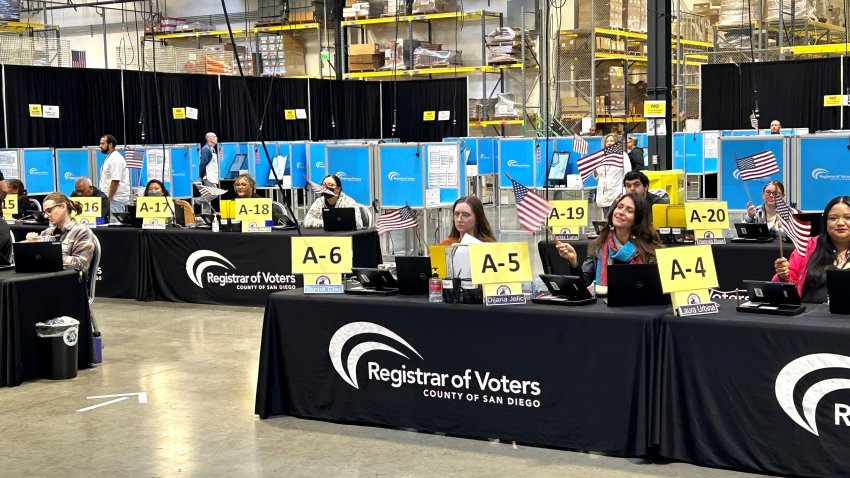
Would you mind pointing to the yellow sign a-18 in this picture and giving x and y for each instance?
(686, 268)
(499, 262)
(321, 255)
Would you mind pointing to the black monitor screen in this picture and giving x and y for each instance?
(558, 167)
(238, 164)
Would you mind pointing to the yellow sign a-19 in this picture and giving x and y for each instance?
(321, 255)
(499, 262)
(655, 109)
(686, 268)
(568, 213)
(154, 206)
(706, 215)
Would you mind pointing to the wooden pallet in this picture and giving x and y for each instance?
(365, 70)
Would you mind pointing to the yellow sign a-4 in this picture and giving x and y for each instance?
(706, 215)
(499, 262)
(321, 255)
(655, 109)
(9, 205)
(686, 268)
(568, 213)
(92, 209)
(253, 213)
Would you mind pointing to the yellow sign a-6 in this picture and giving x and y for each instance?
(154, 206)
(706, 215)
(9, 205)
(321, 255)
(686, 268)
(568, 213)
(655, 109)
(253, 213)
(499, 262)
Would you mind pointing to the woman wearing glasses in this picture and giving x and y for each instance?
(766, 212)
(76, 239)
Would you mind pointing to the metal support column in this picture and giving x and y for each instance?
(658, 45)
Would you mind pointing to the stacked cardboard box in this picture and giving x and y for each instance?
(609, 14)
(364, 57)
(366, 9)
(634, 16)
(395, 7)
(282, 55)
(481, 109)
(399, 54)
(274, 12)
(434, 6)
(575, 105)
(506, 106)
(433, 56)
(505, 45)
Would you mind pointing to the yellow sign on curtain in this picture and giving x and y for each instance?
(289, 115)
(35, 111)
(429, 115)
(179, 113)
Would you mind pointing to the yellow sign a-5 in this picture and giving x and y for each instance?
(655, 109)
(499, 262)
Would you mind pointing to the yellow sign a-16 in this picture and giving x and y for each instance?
(321, 255)
(568, 213)
(92, 207)
(499, 262)
(706, 215)
(686, 268)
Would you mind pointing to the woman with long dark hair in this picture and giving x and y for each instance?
(629, 239)
(468, 218)
(829, 250)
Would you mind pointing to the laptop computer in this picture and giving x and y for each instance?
(38, 256)
(373, 282)
(339, 219)
(755, 232)
(837, 285)
(631, 285)
(774, 298)
(599, 226)
(413, 274)
(566, 290)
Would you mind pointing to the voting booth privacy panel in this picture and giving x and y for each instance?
(821, 170)
(731, 188)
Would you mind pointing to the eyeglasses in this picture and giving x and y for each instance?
(771, 193)
(49, 210)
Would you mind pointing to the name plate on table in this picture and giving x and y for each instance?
(9, 205)
(687, 273)
(322, 260)
(255, 214)
(92, 210)
(501, 267)
(707, 219)
(565, 233)
(154, 211)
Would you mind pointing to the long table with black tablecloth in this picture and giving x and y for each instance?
(201, 266)
(26, 299)
(735, 261)
(121, 252)
(579, 377)
(763, 393)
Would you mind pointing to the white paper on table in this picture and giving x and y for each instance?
(460, 259)
(432, 197)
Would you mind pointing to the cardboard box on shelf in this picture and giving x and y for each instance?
(433, 6)
(365, 62)
(362, 49)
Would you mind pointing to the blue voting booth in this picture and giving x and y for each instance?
(316, 156)
(70, 165)
(449, 176)
(822, 170)
(696, 153)
(565, 145)
(39, 175)
(289, 160)
(181, 171)
(352, 163)
(401, 173)
(731, 188)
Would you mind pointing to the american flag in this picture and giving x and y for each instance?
(798, 231)
(402, 218)
(759, 165)
(319, 188)
(210, 191)
(78, 58)
(133, 158)
(531, 209)
(754, 120)
(610, 156)
(579, 145)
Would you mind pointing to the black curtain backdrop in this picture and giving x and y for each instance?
(413, 98)
(354, 107)
(239, 125)
(89, 103)
(155, 90)
(790, 91)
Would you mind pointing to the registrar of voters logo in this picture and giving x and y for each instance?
(791, 375)
(209, 268)
(375, 343)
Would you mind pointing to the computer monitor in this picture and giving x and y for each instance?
(238, 164)
(558, 167)
(468, 158)
(281, 167)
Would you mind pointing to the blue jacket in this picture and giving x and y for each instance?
(206, 157)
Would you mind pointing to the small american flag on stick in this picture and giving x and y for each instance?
(531, 209)
(133, 158)
(402, 218)
(319, 189)
(579, 145)
(207, 191)
(610, 156)
(798, 231)
(759, 165)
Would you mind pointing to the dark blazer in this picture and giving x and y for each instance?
(636, 158)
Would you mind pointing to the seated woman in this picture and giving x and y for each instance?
(766, 212)
(26, 205)
(468, 218)
(333, 198)
(155, 188)
(829, 250)
(629, 240)
(77, 241)
(246, 187)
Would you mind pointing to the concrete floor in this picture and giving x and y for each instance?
(198, 366)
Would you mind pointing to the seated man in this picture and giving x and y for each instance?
(637, 182)
(84, 188)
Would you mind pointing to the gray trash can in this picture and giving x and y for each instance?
(56, 348)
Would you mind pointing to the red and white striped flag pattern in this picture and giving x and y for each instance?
(759, 165)
(318, 188)
(402, 218)
(531, 209)
(133, 158)
(579, 145)
(798, 231)
(754, 120)
(610, 156)
(210, 191)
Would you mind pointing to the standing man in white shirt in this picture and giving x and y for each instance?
(114, 176)
(208, 170)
